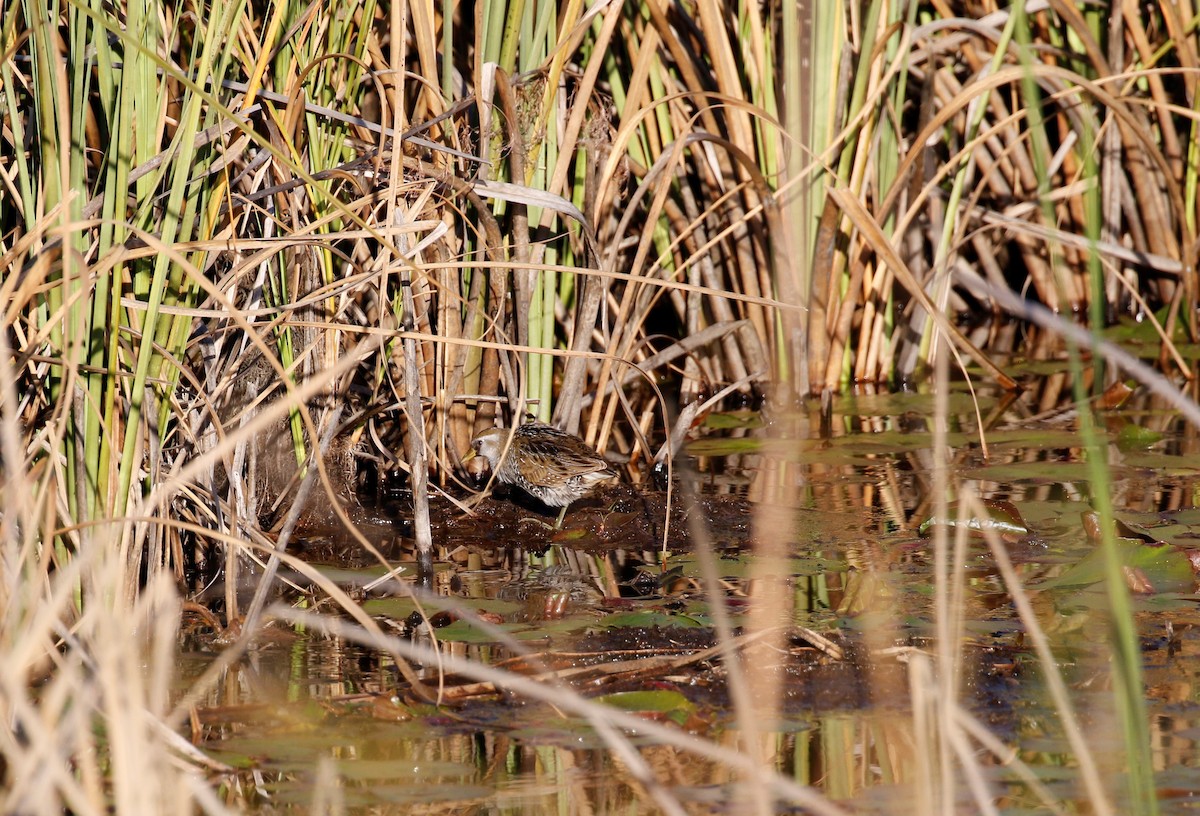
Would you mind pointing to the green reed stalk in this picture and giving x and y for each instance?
(1016, 21)
(821, 117)
(538, 36)
(128, 147)
(890, 139)
(858, 91)
(163, 281)
(56, 170)
(890, 142)
(1127, 662)
(1041, 151)
(95, 351)
(1128, 688)
(504, 50)
(1191, 178)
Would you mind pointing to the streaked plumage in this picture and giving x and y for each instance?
(553, 466)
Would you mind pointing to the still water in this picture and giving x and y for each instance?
(809, 524)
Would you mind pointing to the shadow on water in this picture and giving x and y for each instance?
(309, 721)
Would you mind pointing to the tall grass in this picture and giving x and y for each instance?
(246, 245)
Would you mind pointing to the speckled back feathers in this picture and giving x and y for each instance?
(553, 466)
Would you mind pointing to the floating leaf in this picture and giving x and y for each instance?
(1002, 517)
(664, 702)
(400, 607)
(1180, 528)
(734, 419)
(722, 446)
(463, 631)
(648, 619)
(1133, 436)
(899, 403)
(1148, 568)
(1037, 472)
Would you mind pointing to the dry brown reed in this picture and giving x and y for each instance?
(230, 231)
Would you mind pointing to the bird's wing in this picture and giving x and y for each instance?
(554, 463)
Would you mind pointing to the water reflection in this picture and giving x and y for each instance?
(307, 719)
(330, 705)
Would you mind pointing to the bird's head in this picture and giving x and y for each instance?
(490, 445)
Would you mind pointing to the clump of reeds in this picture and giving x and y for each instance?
(234, 235)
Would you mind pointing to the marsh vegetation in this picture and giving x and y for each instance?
(267, 269)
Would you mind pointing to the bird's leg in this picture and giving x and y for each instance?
(562, 514)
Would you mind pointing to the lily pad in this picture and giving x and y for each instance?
(1165, 568)
(734, 419)
(650, 618)
(723, 446)
(401, 607)
(665, 702)
(1181, 527)
(1133, 436)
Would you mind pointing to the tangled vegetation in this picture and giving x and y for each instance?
(236, 233)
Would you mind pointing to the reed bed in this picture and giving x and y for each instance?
(253, 250)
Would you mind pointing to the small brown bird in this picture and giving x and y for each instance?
(553, 466)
